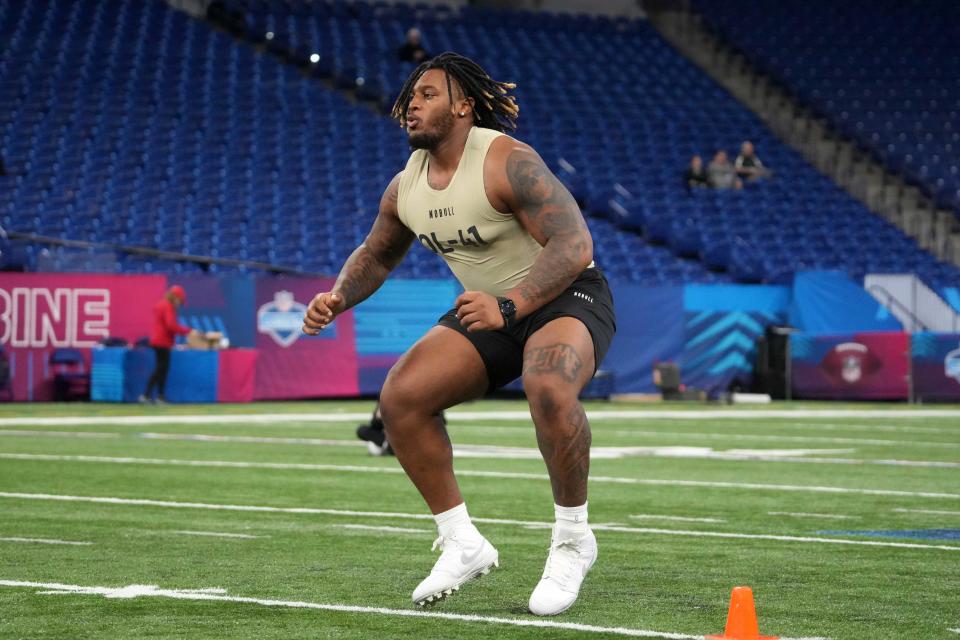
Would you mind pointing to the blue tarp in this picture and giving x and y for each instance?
(649, 330)
(723, 324)
(830, 303)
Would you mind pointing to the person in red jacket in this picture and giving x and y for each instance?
(165, 330)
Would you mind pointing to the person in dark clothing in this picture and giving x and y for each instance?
(695, 177)
(165, 330)
(3, 168)
(721, 174)
(412, 50)
(749, 167)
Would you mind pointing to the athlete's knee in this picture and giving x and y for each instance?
(550, 399)
(402, 398)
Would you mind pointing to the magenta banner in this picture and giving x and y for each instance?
(936, 367)
(236, 375)
(861, 366)
(291, 364)
(40, 312)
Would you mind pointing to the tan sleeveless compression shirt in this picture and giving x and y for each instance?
(486, 250)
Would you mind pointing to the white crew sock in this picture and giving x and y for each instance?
(453, 520)
(571, 521)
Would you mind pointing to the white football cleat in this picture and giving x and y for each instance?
(567, 566)
(465, 555)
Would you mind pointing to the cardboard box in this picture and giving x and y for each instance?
(204, 341)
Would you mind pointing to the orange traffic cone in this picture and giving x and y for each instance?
(742, 618)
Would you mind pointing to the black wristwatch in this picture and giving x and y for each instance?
(508, 310)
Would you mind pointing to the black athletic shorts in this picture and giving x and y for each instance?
(588, 300)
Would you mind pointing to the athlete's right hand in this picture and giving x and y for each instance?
(322, 310)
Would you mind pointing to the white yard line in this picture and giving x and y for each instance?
(776, 438)
(217, 534)
(366, 527)
(57, 434)
(341, 442)
(781, 538)
(651, 516)
(828, 516)
(532, 453)
(477, 474)
(218, 595)
(234, 418)
(200, 437)
(929, 511)
(275, 418)
(45, 541)
(145, 502)
(792, 456)
(873, 428)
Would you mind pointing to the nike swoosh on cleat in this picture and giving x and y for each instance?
(469, 559)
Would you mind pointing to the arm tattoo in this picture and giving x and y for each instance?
(549, 212)
(370, 263)
(361, 275)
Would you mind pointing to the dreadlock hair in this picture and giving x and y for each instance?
(493, 108)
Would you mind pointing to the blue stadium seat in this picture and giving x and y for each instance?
(127, 122)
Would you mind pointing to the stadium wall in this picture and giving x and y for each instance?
(710, 331)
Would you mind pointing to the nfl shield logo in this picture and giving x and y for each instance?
(951, 365)
(281, 319)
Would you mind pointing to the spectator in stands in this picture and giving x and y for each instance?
(695, 177)
(3, 168)
(721, 174)
(412, 50)
(748, 165)
(165, 330)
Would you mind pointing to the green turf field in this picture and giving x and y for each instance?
(278, 524)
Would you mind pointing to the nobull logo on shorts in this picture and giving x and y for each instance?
(281, 319)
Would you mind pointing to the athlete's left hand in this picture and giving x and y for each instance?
(478, 311)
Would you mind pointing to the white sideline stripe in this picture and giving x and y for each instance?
(476, 474)
(45, 541)
(367, 527)
(273, 418)
(494, 451)
(57, 434)
(889, 428)
(468, 449)
(857, 461)
(930, 511)
(957, 630)
(143, 502)
(767, 536)
(799, 514)
(134, 591)
(775, 438)
(652, 516)
(200, 437)
(216, 534)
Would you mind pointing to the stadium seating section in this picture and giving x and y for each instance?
(126, 122)
(883, 72)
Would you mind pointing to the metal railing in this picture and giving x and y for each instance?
(892, 303)
(157, 253)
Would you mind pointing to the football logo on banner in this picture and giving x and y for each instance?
(282, 318)
(850, 362)
(951, 365)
